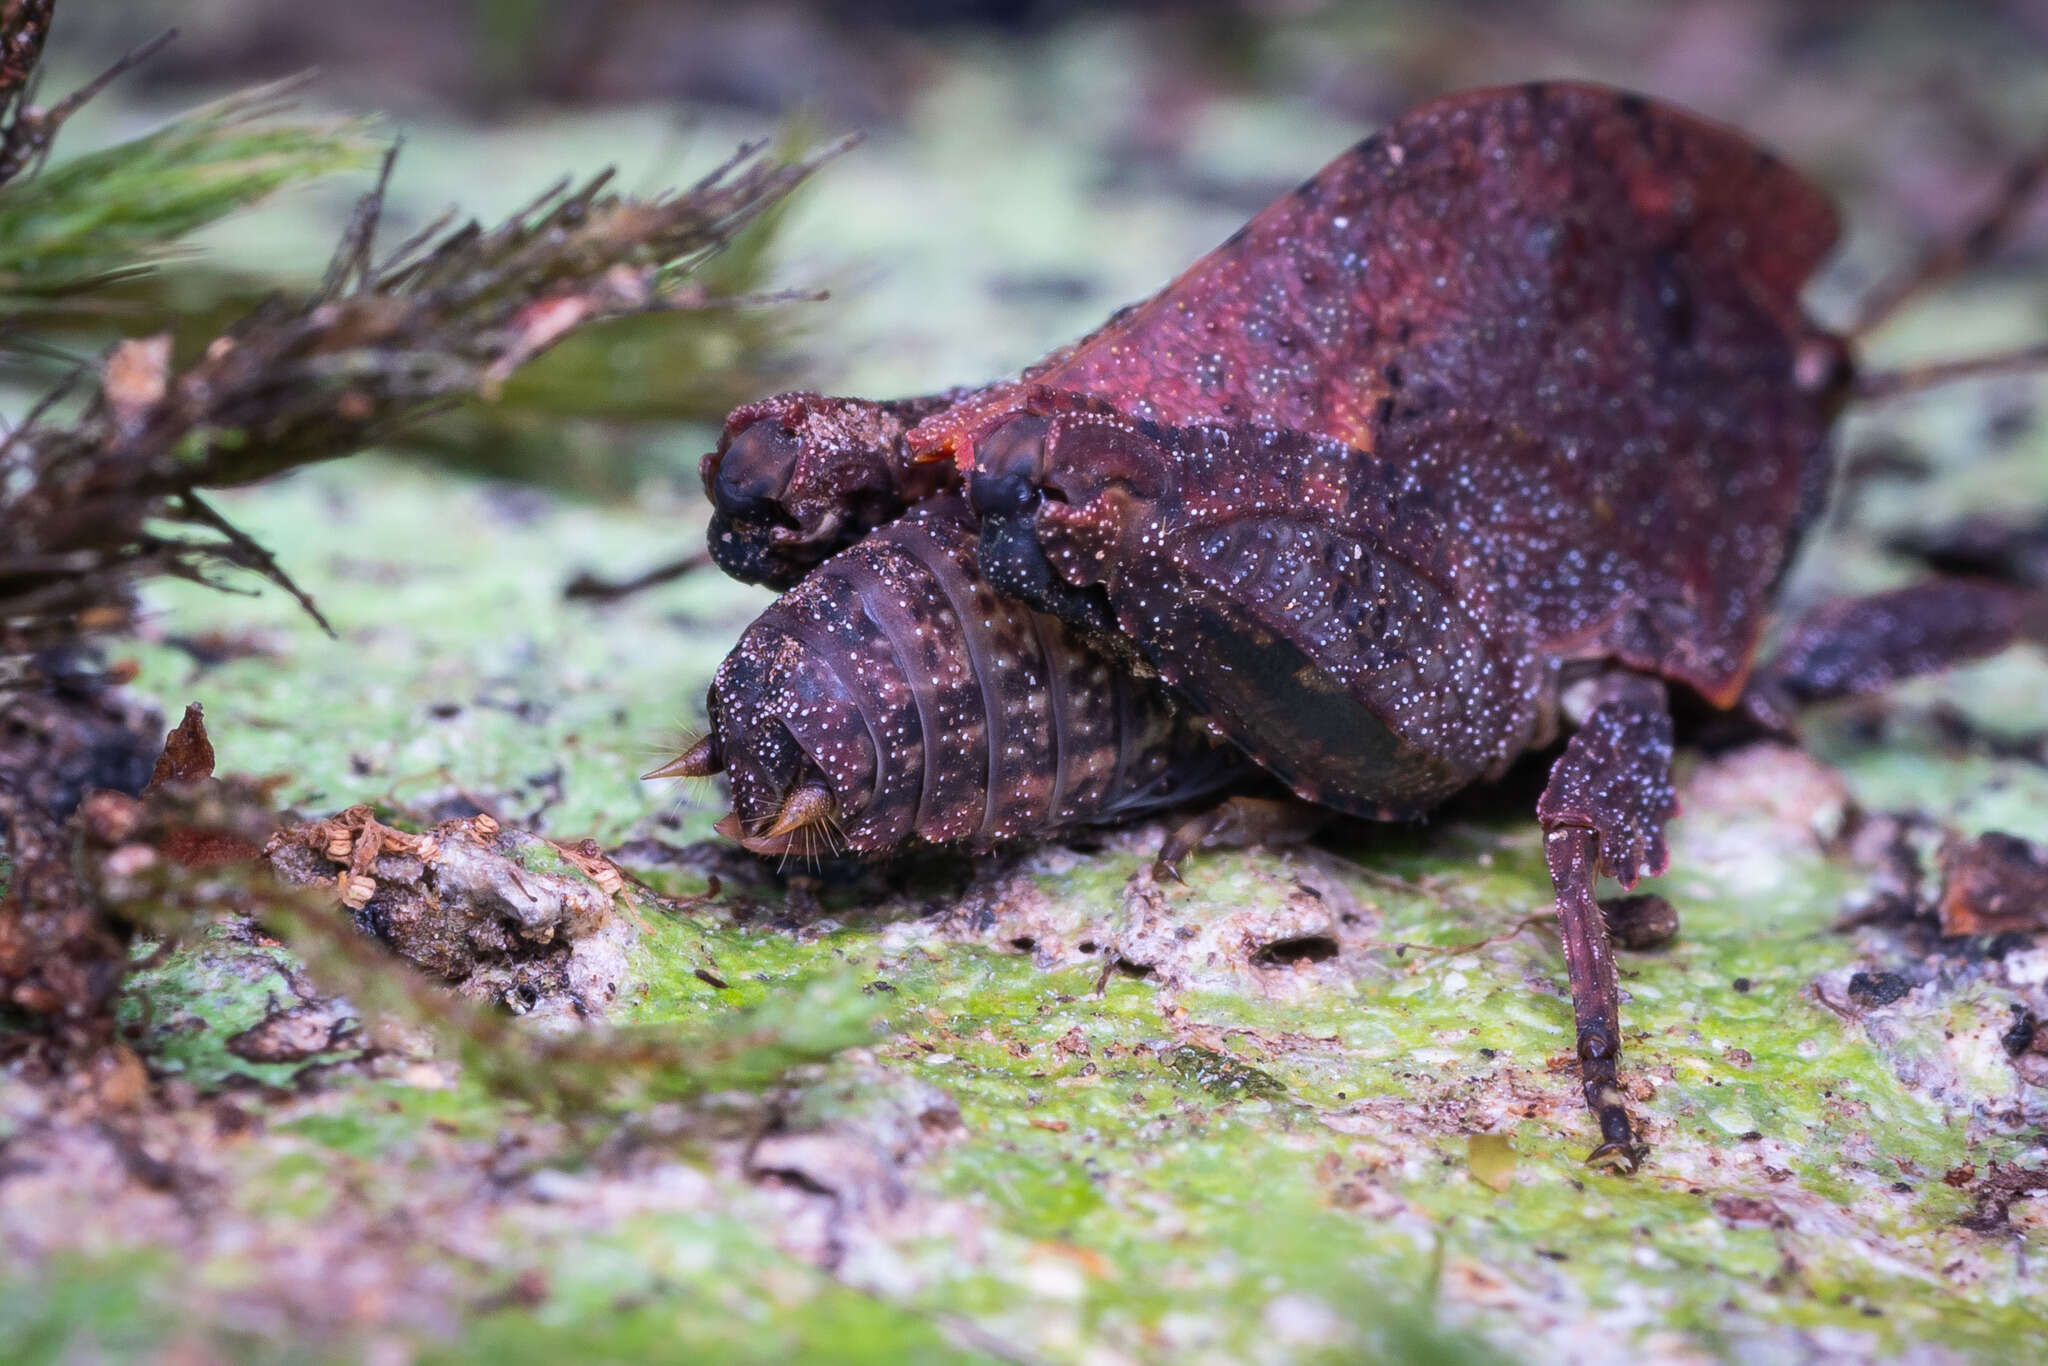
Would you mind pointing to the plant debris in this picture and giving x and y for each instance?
(60, 960)
(474, 905)
(518, 924)
(1640, 922)
(96, 501)
(26, 129)
(1872, 990)
(386, 340)
(1993, 884)
(187, 756)
(2002, 1186)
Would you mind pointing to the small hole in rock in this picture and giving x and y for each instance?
(1024, 943)
(1086, 946)
(1309, 948)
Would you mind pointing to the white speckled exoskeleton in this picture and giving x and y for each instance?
(893, 698)
(1507, 422)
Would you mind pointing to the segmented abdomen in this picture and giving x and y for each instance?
(935, 709)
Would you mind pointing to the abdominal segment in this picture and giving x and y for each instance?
(936, 711)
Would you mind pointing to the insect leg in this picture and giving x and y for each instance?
(1852, 646)
(1911, 379)
(1985, 546)
(1604, 810)
(588, 587)
(1972, 243)
(1239, 822)
(1976, 239)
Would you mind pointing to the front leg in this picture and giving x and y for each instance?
(1608, 799)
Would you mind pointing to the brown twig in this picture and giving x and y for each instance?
(376, 348)
(29, 131)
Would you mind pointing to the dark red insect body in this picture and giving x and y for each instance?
(798, 476)
(1508, 418)
(1294, 322)
(916, 705)
(1341, 615)
(1571, 319)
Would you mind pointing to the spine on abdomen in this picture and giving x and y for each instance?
(989, 722)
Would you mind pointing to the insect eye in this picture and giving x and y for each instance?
(1008, 464)
(754, 470)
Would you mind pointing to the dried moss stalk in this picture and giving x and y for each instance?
(94, 504)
